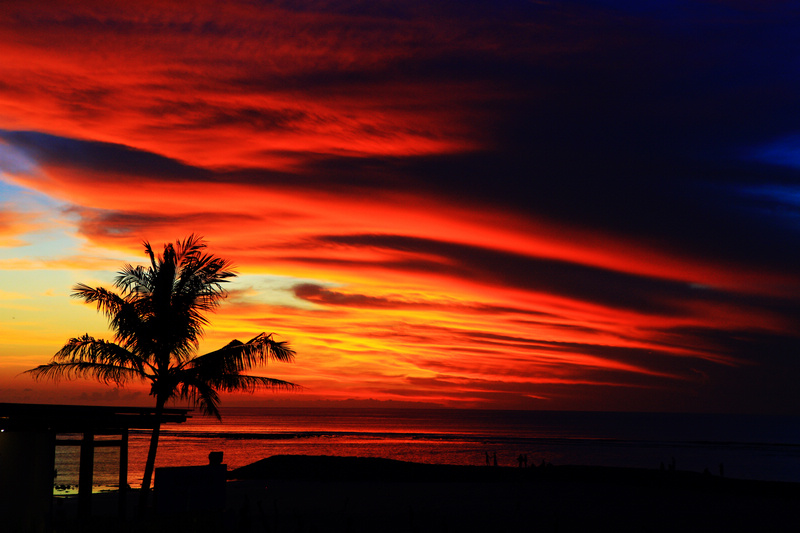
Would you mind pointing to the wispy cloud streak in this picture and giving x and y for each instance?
(522, 204)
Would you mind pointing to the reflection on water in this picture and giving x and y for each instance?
(67, 463)
(749, 447)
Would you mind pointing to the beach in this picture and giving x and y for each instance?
(350, 494)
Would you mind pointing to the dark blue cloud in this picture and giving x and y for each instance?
(100, 157)
(548, 276)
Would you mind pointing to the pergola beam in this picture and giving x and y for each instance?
(96, 443)
(90, 422)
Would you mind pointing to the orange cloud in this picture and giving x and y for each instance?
(13, 224)
(454, 219)
(241, 86)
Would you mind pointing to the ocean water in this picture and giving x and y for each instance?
(747, 446)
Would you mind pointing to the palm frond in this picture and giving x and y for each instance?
(190, 247)
(91, 350)
(134, 280)
(251, 384)
(239, 356)
(201, 276)
(149, 251)
(109, 303)
(203, 389)
(105, 373)
(200, 392)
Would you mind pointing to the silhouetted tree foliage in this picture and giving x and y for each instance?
(158, 316)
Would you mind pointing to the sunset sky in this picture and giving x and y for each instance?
(511, 204)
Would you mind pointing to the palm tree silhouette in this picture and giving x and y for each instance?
(158, 318)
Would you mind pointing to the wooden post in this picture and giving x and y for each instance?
(85, 476)
(123, 473)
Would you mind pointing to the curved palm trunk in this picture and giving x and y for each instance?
(149, 465)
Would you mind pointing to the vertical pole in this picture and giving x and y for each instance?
(123, 473)
(50, 467)
(85, 476)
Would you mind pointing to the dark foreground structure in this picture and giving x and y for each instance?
(29, 434)
(351, 494)
(363, 495)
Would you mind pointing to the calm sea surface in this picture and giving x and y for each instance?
(748, 447)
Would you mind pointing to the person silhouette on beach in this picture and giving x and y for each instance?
(494, 458)
(487, 459)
